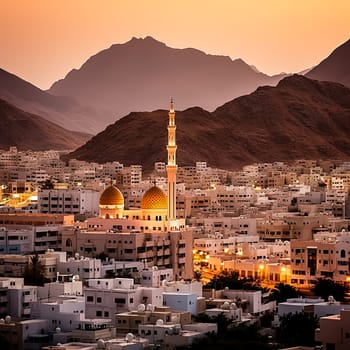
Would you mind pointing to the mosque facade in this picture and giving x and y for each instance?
(151, 234)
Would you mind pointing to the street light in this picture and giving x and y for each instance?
(284, 271)
(261, 271)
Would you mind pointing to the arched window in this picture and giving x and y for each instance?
(148, 217)
(342, 253)
(107, 216)
(68, 242)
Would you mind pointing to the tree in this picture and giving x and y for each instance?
(282, 291)
(237, 337)
(4, 343)
(297, 329)
(34, 272)
(221, 320)
(266, 319)
(326, 287)
(232, 280)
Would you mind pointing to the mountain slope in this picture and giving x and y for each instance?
(335, 67)
(64, 111)
(142, 74)
(27, 131)
(300, 118)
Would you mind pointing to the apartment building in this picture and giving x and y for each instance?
(15, 297)
(68, 201)
(327, 255)
(334, 331)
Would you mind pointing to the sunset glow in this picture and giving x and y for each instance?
(41, 41)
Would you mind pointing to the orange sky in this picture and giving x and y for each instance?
(42, 40)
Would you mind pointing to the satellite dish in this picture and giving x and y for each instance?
(225, 305)
(141, 308)
(7, 319)
(150, 307)
(331, 299)
(101, 344)
(58, 329)
(159, 322)
(129, 337)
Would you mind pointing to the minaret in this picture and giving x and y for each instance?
(171, 167)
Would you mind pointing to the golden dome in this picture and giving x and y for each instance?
(154, 198)
(112, 196)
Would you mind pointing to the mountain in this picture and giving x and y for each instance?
(335, 67)
(142, 74)
(64, 111)
(28, 131)
(300, 118)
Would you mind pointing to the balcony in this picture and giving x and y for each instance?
(91, 336)
(182, 251)
(182, 260)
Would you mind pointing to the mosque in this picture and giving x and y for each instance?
(152, 233)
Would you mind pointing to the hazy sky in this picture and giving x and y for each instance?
(42, 40)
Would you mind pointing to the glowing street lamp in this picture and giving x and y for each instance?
(261, 271)
(284, 272)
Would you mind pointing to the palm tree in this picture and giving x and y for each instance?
(326, 287)
(34, 272)
(282, 291)
(297, 329)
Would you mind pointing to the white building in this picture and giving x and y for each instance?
(105, 297)
(174, 335)
(154, 277)
(16, 297)
(230, 311)
(252, 300)
(317, 307)
(84, 267)
(334, 331)
(65, 312)
(24, 239)
(69, 201)
(52, 290)
(181, 301)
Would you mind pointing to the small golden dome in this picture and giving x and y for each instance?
(154, 198)
(112, 196)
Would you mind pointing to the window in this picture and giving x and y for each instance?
(98, 313)
(90, 298)
(119, 300)
(99, 300)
